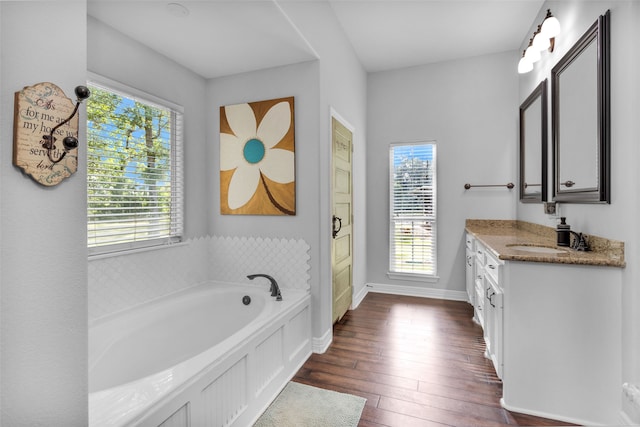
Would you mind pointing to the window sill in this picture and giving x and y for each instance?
(414, 277)
(131, 251)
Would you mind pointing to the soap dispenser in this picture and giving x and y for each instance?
(564, 232)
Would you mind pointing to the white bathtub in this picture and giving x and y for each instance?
(200, 357)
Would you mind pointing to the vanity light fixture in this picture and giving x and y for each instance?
(69, 142)
(543, 39)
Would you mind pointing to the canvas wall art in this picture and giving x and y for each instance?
(257, 158)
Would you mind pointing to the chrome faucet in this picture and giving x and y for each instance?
(580, 242)
(275, 289)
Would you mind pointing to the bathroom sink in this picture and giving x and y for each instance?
(537, 249)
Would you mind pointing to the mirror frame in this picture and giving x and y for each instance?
(540, 92)
(598, 32)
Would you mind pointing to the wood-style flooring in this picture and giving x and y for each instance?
(417, 361)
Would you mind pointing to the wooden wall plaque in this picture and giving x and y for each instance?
(38, 109)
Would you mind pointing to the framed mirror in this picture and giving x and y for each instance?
(581, 119)
(533, 146)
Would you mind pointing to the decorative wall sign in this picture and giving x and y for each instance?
(38, 110)
(257, 158)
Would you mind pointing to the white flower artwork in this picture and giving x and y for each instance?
(257, 158)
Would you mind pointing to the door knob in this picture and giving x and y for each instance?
(335, 230)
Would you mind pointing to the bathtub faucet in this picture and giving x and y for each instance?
(275, 289)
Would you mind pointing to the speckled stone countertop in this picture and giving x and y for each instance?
(501, 235)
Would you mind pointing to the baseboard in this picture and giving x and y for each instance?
(320, 345)
(547, 415)
(358, 297)
(415, 291)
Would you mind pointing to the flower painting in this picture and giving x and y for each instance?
(257, 158)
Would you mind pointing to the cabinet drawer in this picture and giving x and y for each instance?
(470, 242)
(470, 259)
(492, 266)
(480, 255)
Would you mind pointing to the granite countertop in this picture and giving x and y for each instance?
(501, 235)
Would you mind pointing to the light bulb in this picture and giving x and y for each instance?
(551, 27)
(532, 54)
(524, 66)
(541, 42)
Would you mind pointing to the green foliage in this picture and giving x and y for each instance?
(413, 187)
(129, 158)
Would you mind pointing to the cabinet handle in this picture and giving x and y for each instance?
(491, 266)
(490, 297)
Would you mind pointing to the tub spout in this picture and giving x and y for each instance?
(275, 289)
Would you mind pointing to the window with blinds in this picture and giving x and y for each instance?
(412, 228)
(134, 176)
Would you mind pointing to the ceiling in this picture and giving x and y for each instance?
(223, 37)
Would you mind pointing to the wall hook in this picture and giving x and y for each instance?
(69, 142)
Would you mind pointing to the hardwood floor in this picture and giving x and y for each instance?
(417, 361)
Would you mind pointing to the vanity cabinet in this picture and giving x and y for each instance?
(485, 273)
(551, 322)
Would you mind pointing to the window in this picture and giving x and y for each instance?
(412, 229)
(134, 162)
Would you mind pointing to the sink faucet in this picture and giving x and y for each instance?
(275, 289)
(579, 242)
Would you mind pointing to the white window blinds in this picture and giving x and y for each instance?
(134, 161)
(412, 229)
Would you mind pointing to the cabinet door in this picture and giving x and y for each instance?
(478, 311)
(470, 280)
(494, 323)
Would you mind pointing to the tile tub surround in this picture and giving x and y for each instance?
(500, 235)
(120, 282)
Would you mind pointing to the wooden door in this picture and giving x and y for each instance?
(342, 247)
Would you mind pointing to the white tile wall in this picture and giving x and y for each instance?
(286, 260)
(120, 282)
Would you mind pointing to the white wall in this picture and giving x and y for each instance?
(619, 219)
(470, 108)
(343, 89)
(43, 251)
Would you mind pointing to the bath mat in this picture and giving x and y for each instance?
(300, 405)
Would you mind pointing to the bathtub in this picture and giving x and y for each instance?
(200, 357)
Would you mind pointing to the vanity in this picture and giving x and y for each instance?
(551, 318)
